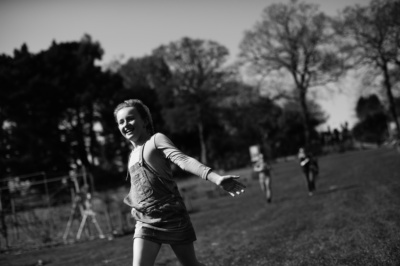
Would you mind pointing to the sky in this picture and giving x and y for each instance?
(133, 28)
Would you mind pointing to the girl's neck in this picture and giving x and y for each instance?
(140, 141)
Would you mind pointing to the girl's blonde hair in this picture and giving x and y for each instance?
(142, 109)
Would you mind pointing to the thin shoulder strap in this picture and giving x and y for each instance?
(140, 162)
(127, 170)
(143, 162)
(141, 154)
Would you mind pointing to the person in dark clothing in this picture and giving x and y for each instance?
(309, 165)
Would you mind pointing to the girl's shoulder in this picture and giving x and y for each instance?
(158, 145)
(159, 135)
(156, 137)
(160, 140)
(152, 145)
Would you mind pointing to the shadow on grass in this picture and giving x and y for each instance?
(332, 189)
(288, 198)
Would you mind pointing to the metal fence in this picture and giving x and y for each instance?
(38, 210)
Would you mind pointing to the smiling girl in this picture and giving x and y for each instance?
(157, 206)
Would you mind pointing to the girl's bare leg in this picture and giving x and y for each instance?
(144, 252)
(263, 184)
(186, 255)
(268, 188)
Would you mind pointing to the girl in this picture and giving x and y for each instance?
(157, 206)
(309, 165)
(264, 176)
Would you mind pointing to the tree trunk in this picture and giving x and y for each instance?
(306, 116)
(82, 153)
(389, 93)
(203, 149)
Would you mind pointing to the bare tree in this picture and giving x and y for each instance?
(196, 69)
(298, 39)
(373, 37)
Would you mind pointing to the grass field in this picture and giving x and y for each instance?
(354, 219)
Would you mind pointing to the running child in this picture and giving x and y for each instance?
(263, 169)
(157, 206)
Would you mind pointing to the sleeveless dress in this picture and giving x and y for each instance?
(157, 206)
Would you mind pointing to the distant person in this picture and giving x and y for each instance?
(264, 176)
(309, 165)
(157, 205)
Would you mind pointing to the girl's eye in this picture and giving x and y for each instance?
(128, 120)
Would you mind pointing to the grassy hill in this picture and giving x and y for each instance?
(354, 219)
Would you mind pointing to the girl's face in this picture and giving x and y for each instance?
(131, 125)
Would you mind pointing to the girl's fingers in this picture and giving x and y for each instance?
(239, 185)
(232, 186)
(237, 189)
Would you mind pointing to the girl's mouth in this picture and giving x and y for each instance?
(129, 131)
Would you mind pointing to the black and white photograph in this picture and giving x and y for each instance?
(200, 133)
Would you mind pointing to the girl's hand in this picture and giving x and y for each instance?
(231, 185)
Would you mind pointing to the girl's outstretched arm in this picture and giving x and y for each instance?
(227, 182)
(191, 165)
